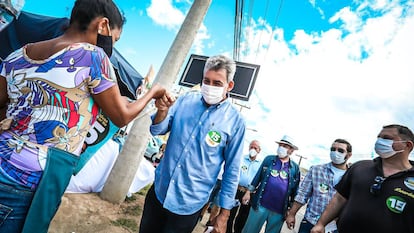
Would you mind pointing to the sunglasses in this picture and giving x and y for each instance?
(340, 150)
(375, 188)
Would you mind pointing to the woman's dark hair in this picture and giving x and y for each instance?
(84, 11)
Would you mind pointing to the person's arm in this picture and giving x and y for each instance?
(220, 222)
(290, 217)
(232, 153)
(304, 192)
(119, 109)
(246, 198)
(331, 212)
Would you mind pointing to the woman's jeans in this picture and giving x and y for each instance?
(14, 205)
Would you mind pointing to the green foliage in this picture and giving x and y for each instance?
(134, 210)
(144, 190)
(126, 223)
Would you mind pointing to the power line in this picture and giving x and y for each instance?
(237, 29)
(273, 28)
(261, 32)
(239, 24)
(248, 20)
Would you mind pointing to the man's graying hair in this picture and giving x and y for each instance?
(221, 62)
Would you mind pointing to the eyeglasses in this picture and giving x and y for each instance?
(376, 186)
(340, 150)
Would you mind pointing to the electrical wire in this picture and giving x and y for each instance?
(261, 32)
(273, 29)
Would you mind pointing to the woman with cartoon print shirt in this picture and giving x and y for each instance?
(51, 92)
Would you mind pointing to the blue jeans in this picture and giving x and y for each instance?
(14, 204)
(257, 218)
(305, 226)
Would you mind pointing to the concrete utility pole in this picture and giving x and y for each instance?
(125, 167)
(300, 158)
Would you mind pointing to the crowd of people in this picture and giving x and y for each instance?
(52, 91)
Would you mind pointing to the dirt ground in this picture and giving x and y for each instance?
(88, 213)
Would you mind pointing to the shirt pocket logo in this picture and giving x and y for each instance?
(213, 138)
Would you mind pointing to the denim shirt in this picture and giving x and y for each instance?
(262, 176)
(193, 159)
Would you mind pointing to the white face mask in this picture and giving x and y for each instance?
(337, 157)
(282, 152)
(212, 94)
(383, 147)
(252, 152)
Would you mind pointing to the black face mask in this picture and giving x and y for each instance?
(105, 42)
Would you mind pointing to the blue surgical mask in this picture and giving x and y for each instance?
(337, 157)
(282, 152)
(383, 147)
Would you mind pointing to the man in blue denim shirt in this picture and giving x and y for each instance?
(206, 130)
(274, 187)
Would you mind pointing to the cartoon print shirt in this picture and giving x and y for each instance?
(50, 105)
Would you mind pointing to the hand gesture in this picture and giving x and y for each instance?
(157, 91)
(219, 224)
(246, 198)
(165, 102)
(290, 221)
(318, 228)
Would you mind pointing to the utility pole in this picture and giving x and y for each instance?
(300, 158)
(125, 167)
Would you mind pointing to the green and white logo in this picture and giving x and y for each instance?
(396, 204)
(323, 188)
(213, 138)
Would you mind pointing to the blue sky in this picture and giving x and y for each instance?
(329, 69)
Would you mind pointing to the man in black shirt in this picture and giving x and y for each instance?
(376, 195)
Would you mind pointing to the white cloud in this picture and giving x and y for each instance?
(163, 13)
(345, 82)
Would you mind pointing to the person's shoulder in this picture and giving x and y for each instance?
(191, 94)
(366, 163)
(293, 163)
(268, 158)
(323, 167)
(86, 46)
(15, 54)
(233, 107)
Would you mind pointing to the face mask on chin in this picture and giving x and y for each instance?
(211, 94)
(282, 152)
(383, 147)
(105, 42)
